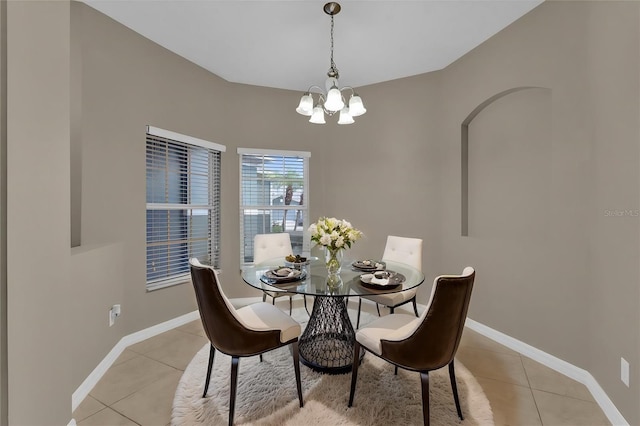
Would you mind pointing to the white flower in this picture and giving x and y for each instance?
(353, 234)
(333, 233)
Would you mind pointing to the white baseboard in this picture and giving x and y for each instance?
(576, 373)
(83, 390)
(561, 366)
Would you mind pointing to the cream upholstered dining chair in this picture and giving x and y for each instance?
(271, 246)
(403, 250)
(251, 330)
(421, 344)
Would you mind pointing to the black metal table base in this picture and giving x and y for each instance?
(327, 343)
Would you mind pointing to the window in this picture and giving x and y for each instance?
(274, 197)
(183, 205)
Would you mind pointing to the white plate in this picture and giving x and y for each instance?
(394, 280)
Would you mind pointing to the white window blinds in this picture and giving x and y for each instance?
(274, 197)
(183, 206)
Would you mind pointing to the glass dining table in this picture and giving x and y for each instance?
(327, 343)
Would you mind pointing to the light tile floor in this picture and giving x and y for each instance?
(138, 389)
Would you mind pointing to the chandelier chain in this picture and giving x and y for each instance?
(333, 64)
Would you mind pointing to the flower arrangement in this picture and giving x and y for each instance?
(334, 234)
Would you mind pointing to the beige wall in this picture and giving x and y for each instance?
(39, 291)
(614, 82)
(3, 214)
(553, 270)
(507, 162)
(127, 83)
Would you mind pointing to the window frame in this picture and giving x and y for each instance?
(155, 135)
(305, 156)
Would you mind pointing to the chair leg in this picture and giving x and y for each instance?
(260, 357)
(378, 309)
(264, 297)
(233, 388)
(424, 381)
(391, 309)
(395, 370)
(296, 367)
(354, 371)
(359, 308)
(415, 306)
(305, 305)
(454, 387)
(290, 305)
(212, 352)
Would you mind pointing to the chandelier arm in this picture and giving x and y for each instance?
(329, 113)
(353, 91)
(319, 92)
(321, 96)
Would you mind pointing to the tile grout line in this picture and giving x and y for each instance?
(125, 416)
(531, 390)
(138, 390)
(562, 395)
(93, 414)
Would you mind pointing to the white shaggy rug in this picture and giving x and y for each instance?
(267, 393)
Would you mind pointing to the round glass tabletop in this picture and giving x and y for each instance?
(313, 281)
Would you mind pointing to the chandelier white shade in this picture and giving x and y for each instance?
(331, 100)
(345, 116)
(317, 117)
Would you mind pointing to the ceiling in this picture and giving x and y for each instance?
(286, 44)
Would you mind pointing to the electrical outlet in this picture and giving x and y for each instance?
(114, 313)
(624, 371)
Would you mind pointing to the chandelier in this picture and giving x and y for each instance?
(332, 101)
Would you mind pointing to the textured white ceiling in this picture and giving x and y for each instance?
(285, 44)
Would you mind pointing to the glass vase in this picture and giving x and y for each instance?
(333, 260)
(334, 283)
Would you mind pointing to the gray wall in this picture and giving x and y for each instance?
(553, 270)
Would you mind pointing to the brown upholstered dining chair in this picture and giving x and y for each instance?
(251, 330)
(421, 344)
